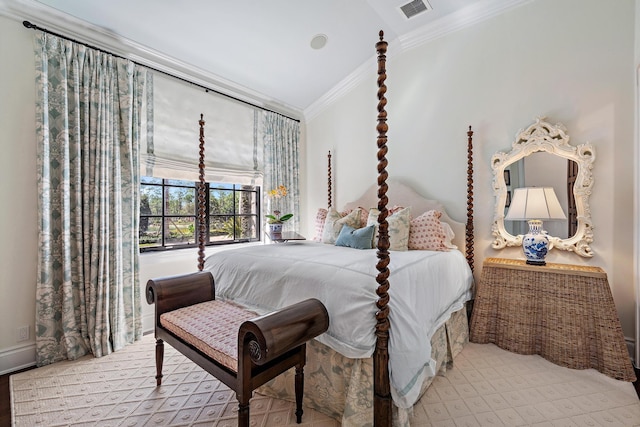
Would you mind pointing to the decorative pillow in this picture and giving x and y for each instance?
(360, 238)
(427, 232)
(334, 222)
(364, 215)
(398, 227)
(448, 231)
(395, 209)
(321, 217)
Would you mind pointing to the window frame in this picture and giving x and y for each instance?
(236, 189)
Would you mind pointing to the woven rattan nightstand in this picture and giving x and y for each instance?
(565, 313)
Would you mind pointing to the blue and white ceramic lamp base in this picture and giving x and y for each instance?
(535, 244)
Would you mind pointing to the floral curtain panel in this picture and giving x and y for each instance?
(89, 107)
(281, 141)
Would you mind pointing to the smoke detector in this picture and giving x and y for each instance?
(415, 7)
(319, 41)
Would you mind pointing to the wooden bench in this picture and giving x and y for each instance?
(235, 345)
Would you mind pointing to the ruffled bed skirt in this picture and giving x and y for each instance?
(342, 388)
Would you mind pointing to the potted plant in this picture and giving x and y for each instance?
(276, 220)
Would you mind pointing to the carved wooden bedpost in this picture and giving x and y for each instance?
(469, 227)
(202, 200)
(381, 387)
(329, 196)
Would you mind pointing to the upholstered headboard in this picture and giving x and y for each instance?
(400, 194)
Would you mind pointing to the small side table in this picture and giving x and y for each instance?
(285, 236)
(564, 313)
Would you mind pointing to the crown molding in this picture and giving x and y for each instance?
(74, 28)
(463, 18)
(366, 70)
(459, 20)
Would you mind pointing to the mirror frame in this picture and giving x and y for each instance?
(545, 137)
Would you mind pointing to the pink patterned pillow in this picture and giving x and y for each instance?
(426, 232)
(321, 217)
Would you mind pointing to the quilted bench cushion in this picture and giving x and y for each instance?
(211, 327)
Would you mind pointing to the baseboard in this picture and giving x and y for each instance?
(18, 357)
(636, 384)
(23, 356)
(148, 323)
(631, 347)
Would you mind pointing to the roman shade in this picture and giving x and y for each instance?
(233, 152)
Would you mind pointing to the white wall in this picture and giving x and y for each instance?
(569, 60)
(18, 219)
(636, 229)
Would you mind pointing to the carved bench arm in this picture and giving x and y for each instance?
(267, 337)
(172, 293)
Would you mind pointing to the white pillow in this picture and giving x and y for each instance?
(334, 222)
(448, 232)
(398, 228)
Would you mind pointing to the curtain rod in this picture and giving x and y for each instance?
(29, 25)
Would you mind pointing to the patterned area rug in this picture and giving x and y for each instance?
(120, 390)
(487, 387)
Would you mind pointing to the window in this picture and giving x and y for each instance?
(168, 213)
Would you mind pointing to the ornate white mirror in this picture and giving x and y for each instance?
(542, 157)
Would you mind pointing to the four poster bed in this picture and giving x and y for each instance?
(384, 344)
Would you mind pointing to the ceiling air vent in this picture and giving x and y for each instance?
(415, 7)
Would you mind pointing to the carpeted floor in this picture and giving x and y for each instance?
(488, 386)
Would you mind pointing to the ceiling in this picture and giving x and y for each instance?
(257, 47)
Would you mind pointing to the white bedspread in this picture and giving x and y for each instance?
(425, 288)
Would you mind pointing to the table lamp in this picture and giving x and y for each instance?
(535, 204)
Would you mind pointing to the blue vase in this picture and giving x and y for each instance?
(275, 228)
(535, 244)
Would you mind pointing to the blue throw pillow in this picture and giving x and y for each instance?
(361, 238)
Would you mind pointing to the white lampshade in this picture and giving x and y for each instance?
(534, 203)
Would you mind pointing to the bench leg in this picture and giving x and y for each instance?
(159, 359)
(299, 385)
(243, 414)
